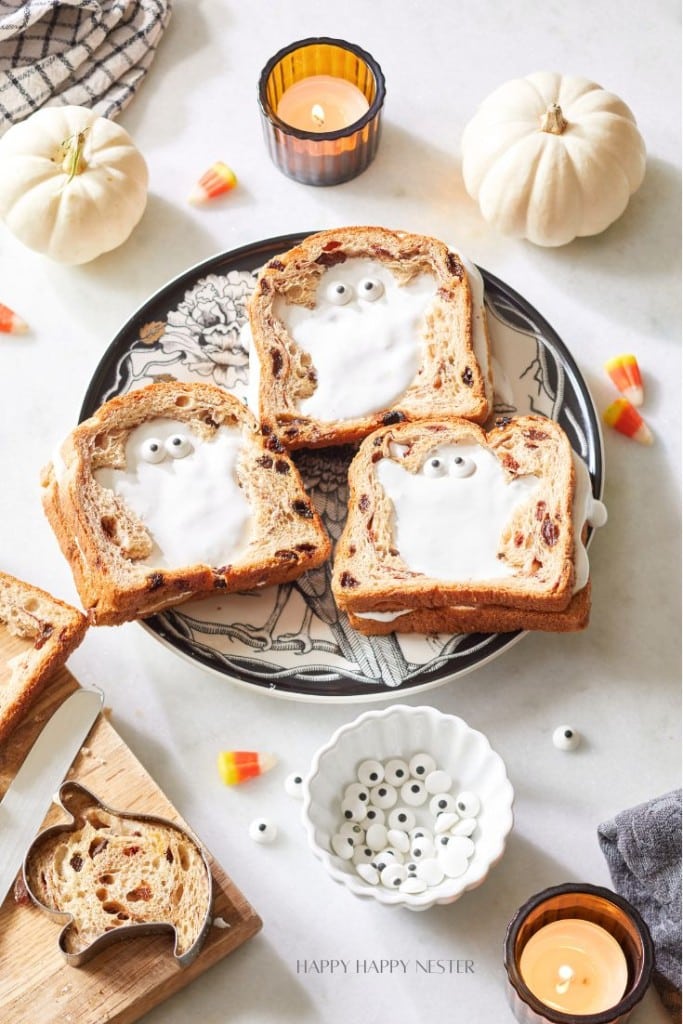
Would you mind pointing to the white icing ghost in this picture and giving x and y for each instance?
(185, 491)
(449, 517)
(363, 336)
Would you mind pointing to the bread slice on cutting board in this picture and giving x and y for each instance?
(38, 633)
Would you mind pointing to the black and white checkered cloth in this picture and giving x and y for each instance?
(91, 53)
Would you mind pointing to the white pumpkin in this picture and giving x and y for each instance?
(72, 183)
(550, 157)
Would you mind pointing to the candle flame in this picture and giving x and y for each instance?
(318, 114)
(566, 976)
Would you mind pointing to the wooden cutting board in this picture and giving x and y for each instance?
(128, 978)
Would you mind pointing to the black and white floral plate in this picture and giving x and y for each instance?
(291, 640)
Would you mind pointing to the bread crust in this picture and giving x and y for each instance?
(537, 544)
(485, 619)
(52, 630)
(450, 379)
(105, 543)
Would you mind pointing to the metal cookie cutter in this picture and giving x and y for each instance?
(85, 808)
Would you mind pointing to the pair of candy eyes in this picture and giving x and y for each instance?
(369, 289)
(457, 466)
(154, 450)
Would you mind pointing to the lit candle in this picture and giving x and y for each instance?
(574, 953)
(574, 966)
(322, 103)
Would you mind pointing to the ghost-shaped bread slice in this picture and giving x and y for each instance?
(443, 515)
(110, 875)
(173, 492)
(361, 327)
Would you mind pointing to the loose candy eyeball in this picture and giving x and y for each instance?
(566, 738)
(343, 846)
(413, 793)
(371, 773)
(438, 782)
(420, 765)
(294, 785)
(442, 803)
(262, 831)
(396, 771)
(383, 796)
(357, 791)
(467, 804)
(374, 816)
(352, 830)
(401, 817)
(368, 873)
(392, 875)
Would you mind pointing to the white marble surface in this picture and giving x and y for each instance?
(618, 682)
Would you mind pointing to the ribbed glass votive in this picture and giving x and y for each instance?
(319, 157)
(589, 903)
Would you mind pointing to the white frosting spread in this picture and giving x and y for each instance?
(365, 353)
(587, 509)
(192, 505)
(448, 526)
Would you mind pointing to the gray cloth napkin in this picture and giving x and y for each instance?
(642, 847)
(91, 53)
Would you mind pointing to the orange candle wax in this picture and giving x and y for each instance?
(322, 103)
(574, 966)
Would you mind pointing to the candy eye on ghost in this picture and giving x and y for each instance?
(435, 467)
(152, 450)
(370, 289)
(177, 446)
(338, 293)
(461, 466)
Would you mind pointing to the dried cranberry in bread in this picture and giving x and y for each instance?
(109, 870)
(360, 327)
(39, 633)
(442, 514)
(172, 492)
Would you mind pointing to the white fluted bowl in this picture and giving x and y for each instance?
(401, 731)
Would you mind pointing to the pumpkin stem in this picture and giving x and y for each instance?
(74, 162)
(553, 121)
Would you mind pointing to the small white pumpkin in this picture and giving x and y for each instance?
(550, 157)
(72, 184)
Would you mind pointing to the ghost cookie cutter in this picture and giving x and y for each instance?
(115, 875)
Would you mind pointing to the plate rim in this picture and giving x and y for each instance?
(374, 693)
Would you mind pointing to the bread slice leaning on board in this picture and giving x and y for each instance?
(359, 327)
(173, 492)
(453, 529)
(39, 633)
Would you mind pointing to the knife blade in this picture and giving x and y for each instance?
(30, 794)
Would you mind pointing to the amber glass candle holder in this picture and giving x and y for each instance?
(321, 157)
(591, 903)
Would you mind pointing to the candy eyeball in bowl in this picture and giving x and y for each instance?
(408, 806)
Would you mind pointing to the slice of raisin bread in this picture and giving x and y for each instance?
(443, 515)
(109, 870)
(481, 619)
(173, 492)
(360, 327)
(39, 633)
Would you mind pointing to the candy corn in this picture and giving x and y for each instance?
(214, 182)
(237, 766)
(10, 323)
(627, 420)
(625, 373)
